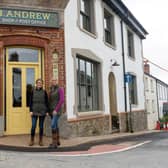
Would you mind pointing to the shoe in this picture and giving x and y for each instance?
(52, 146)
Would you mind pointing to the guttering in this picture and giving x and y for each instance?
(120, 9)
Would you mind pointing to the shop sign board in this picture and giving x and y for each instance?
(29, 18)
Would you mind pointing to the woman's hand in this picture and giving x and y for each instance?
(54, 112)
(31, 113)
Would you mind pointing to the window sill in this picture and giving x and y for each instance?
(131, 58)
(93, 35)
(89, 113)
(110, 45)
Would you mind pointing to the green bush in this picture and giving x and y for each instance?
(163, 119)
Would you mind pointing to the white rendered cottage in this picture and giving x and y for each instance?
(104, 54)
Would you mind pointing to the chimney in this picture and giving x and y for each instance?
(146, 68)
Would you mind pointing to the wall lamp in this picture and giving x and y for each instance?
(114, 63)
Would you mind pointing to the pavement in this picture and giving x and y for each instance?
(114, 142)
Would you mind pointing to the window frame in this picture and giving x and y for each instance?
(88, 54)
(130, 44)
(90, 15)
(111, 30)
(85, 84)
(133, 92)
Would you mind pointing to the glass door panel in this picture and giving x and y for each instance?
(17, 87)
(30, 82)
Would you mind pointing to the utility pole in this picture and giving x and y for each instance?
(128, 80)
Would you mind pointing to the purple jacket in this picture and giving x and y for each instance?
(61, 99)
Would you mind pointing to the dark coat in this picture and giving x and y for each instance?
(39, 102)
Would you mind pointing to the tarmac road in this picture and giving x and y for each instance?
(144, 151)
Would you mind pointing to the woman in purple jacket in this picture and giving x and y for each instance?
(56, 100)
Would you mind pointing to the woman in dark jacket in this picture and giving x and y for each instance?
(38, 109)
(56, 100)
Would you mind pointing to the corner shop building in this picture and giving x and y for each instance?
(31, 47)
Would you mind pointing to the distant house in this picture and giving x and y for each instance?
(156, 94)
(162, 90)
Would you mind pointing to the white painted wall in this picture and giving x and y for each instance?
(75, 38)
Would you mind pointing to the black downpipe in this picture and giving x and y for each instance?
(157, 95)
(125, 91)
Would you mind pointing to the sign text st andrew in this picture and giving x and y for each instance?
(29, 18)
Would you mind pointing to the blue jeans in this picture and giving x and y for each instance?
(54, 122)
(34, 123)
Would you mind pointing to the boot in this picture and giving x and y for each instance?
(31, 143)
(53, 145)
(41, 141)
(58, 137)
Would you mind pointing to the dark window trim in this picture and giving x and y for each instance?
(130, 41)
(86, 85)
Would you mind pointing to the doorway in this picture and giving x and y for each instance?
(113, 103)
(23, 67)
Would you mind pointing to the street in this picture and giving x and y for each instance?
(149, 155)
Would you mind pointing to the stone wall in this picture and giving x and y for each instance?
(89, 127)
(80, 127)
(138, 121)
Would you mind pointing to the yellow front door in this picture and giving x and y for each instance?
(20, 80)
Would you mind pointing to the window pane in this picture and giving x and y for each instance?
(85, 7)
(17, 87)
(89, 98)
(94, 74)
(95, 98)
(30, 78)
(108, 27)
(85, 23)
(83, 98)
(82, 71)
(23, 55)
(133, 90)
(88, 73)
(130, 44)
(107, 20)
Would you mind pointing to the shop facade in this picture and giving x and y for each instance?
(31, 47)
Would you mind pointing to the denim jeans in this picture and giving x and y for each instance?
(54, 122)
(34, 123)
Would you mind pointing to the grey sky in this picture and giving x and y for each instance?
(152, 15)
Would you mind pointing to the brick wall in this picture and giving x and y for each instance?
(36, 3)
(49, 40)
